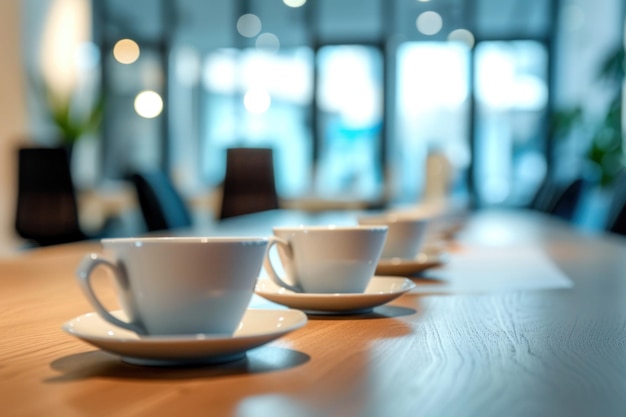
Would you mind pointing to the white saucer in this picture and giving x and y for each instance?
(380, 290)
(408, 267)
(256, 328)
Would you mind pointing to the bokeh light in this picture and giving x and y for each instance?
(148, 104)
(429, 23)
(294, 3)
(126, 51)
(268, 42)
(249, 25)
(463, 36)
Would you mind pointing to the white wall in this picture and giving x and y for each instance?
(12, 115)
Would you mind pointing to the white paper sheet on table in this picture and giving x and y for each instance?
(494, 269)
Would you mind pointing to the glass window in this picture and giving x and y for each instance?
(432, 120)
(134, 106)
(255, 98)
(511, 97)
(350, 97)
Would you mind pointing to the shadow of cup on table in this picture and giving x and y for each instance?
(383, 322)
(99, 364)
(384, 311)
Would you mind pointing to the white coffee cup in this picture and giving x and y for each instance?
(326, 259)
(406, 234)
(178, 285)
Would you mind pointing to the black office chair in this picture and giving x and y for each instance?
(558, 199)
(616, 217)
(47, 211)
(544, 198)
(162, 206)
(618, 224)
(567, 200)
(249, 184)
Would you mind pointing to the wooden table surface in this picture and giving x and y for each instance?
(554, 349)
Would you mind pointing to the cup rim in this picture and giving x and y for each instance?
(331, 228)
(392, 218)
(185, 239)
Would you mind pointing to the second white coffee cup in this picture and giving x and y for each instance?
(326, 259)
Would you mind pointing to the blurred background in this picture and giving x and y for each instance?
(365, 103)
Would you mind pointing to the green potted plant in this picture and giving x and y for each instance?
(73, 118)
(605, 152)
(72, 121)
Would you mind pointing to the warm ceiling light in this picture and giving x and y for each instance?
(126, 51)
(148, 104)
(294, 3)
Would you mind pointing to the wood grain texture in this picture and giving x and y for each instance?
(548, 352)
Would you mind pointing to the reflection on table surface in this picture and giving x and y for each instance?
(527, 319)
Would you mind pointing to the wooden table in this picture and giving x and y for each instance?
(507, 351)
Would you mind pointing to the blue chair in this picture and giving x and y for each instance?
(567, 200)
(162, 206)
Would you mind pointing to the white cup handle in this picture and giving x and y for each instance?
(269, 267)
(85, 268)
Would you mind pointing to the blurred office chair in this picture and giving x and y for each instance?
(545, 197)
(162, 206)
(618, 223)
(47, 209)
(616, 218)
(249, 184)
(567, 199)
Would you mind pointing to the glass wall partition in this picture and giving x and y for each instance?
(353, 96)
(511, 111)
(134, 105)
(349, 98)
(432, 107)
(254, 98)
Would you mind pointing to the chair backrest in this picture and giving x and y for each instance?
(161, 204)
(249, 184)
(47, 210)
(618, 224)
(566, 201)
(545, 197)
(616, 216)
